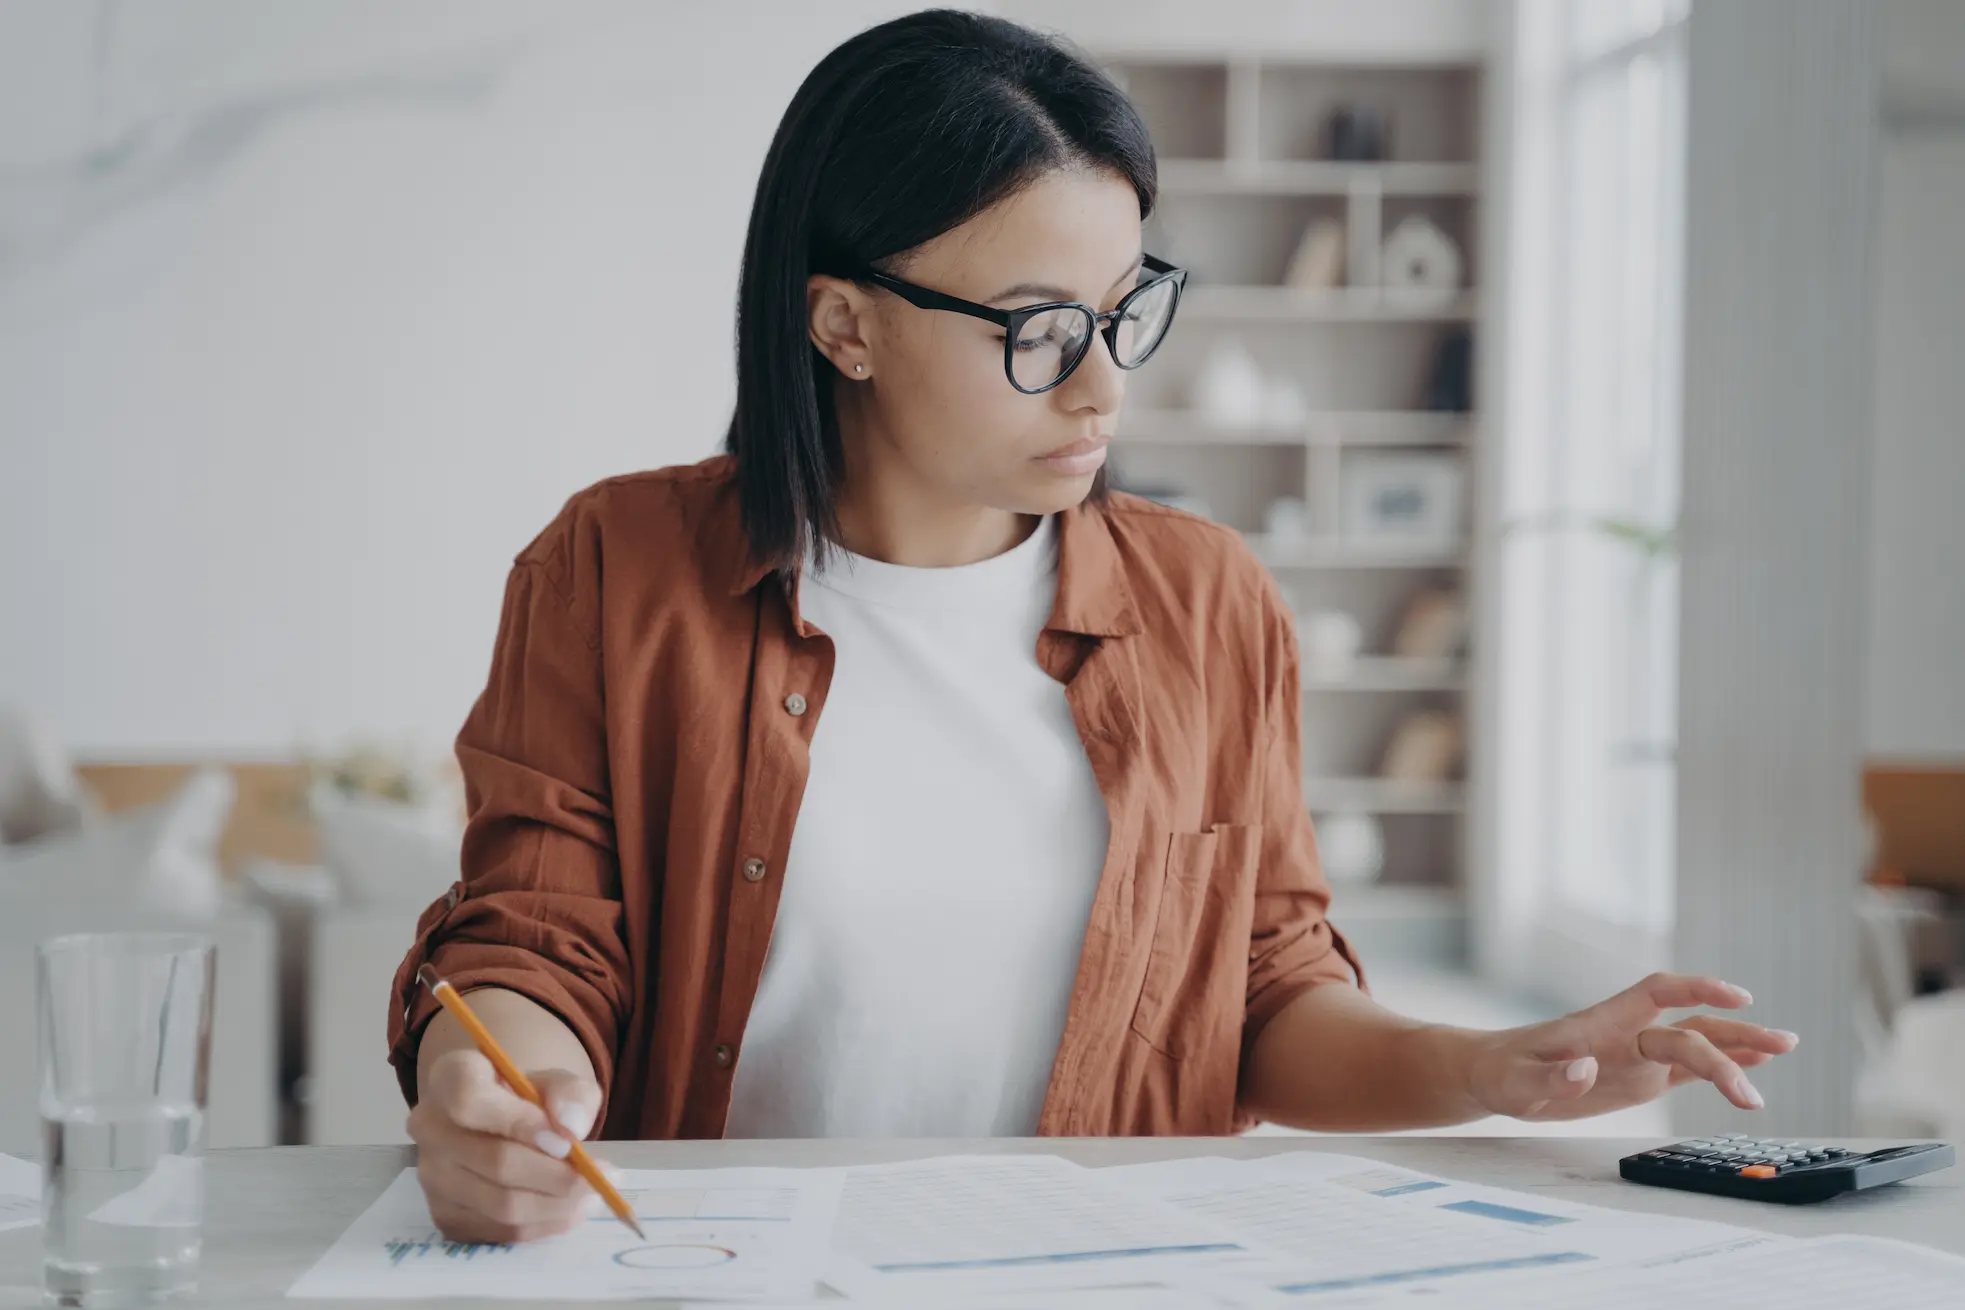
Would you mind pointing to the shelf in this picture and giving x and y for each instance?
(1184, 427)
(1401, 923)
(1383, 796)
(1390, 673)
(1340, 555)
(1239, 304)
(1314, 177)
(1397, 901)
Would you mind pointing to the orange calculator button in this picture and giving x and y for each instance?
(1758, 1171)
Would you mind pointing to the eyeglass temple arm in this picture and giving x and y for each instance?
(923, 298)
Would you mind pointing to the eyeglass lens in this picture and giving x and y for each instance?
(1050, 344)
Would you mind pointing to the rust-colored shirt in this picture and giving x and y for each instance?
(635, 766)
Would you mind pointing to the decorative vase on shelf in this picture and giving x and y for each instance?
(1318, 264)
(1420, 264)
(1352, 846)
(1433, 627)
(1424, 749)
(1229, 390)
(1286, 523)
(1331, 640)
(1357, 133)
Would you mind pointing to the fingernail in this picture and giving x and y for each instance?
(1792, 1039)
(1747, 1092)
(1581, 1071)
(552, 1143)
(1743, 993)
(576, 1116)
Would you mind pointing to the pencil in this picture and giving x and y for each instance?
(582, 1163)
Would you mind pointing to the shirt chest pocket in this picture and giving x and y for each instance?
(1197, 966)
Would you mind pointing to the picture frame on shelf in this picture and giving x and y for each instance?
(1410, 499)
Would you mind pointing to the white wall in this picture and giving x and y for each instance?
(1780, 187)
(311, 314)
(1365, 31)
(1916, 674)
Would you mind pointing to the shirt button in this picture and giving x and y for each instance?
(725, 1056)
(794, 705)
(753, 870)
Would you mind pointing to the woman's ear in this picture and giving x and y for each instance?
(839, 316)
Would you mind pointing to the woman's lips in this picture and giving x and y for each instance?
(1077, 459)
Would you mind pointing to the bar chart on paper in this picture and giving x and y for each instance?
(710, 1234)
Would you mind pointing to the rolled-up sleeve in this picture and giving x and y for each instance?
(1292, 945)
(537, 907)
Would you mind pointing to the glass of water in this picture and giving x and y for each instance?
(125, 1022)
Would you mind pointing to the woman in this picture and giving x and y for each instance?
(887, 776)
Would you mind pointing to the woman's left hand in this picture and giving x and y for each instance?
(1616, 1053)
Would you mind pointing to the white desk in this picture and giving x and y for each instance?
(271, 1212)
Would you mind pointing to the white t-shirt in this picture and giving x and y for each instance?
(942, 868)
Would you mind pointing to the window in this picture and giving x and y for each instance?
(1588, 570)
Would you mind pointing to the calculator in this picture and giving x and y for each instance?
(1793, 1173)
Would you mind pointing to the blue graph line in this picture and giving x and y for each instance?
(1407, 1189)
(1438, 1271)
(1489, 1210)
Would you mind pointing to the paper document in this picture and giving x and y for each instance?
(20, 1193)
(171, 1195)
(1115, 1298)
(1335, 1223)
(722, 1234)
(933, 1229)
(1831, 1273)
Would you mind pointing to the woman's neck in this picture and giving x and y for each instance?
(887, 513)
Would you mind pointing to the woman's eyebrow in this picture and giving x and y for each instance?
(1050, 291)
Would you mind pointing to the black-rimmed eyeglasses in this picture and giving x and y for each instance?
(1042, 344)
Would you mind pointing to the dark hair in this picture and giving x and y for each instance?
(903, 132)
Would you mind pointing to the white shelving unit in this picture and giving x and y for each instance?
(1243, 171)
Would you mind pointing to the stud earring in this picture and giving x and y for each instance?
(859, 368)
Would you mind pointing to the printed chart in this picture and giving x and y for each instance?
(732, 1233)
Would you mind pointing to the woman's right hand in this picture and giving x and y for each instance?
(493, 1165)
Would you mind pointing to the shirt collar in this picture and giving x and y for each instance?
(1093, 597)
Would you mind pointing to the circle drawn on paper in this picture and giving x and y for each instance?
(675, 1255)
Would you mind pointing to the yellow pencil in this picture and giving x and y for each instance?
(582, 1163)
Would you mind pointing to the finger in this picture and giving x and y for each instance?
(467, 1090)
(1744, 1058)
(1693, 1051)
(1640, 1004)
(498, 1160)
(503, 1162)
(572, 1101)
(512, 1207)
(1736, 1034)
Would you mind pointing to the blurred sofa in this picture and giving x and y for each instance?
(68, 865)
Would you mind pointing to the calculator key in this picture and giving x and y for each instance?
(1758, 1171)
